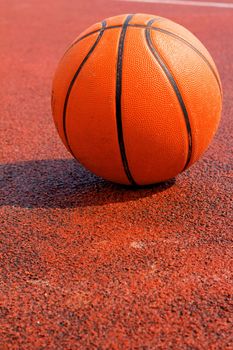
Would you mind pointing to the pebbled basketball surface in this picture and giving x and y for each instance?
(146, 115)
(85, 264)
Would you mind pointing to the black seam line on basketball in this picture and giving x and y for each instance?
(118, 100)
(73, 81)
(194, 49)
(97, 30)
(162, 31)
(175, 88)
(83, 37)
(157, 19)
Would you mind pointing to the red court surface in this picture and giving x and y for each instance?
(86, 264)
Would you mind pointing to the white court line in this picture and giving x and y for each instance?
(188, 3)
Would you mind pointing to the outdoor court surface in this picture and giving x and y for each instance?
(86, 264)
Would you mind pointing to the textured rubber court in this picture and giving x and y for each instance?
(86, 264)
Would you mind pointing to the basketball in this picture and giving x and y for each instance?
(136, 99)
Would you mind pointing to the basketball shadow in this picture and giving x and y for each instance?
(63, 183)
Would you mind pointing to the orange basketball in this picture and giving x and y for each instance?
(136, 99)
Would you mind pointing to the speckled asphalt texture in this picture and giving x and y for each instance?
(85, 264)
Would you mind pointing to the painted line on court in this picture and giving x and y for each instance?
(187, 3)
